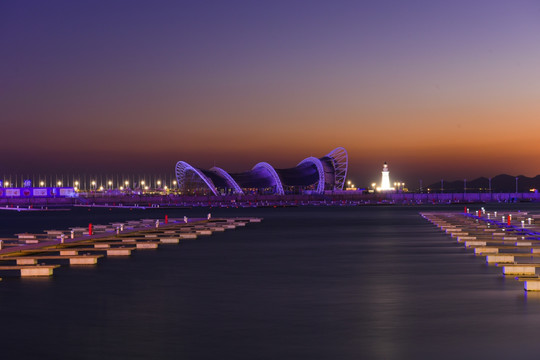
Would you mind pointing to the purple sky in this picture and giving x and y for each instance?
(437, 89)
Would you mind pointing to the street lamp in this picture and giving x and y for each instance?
(93, 183)
(42, 183)
(59, 183)
(110, 184)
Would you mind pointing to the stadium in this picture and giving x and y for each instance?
(311, 175)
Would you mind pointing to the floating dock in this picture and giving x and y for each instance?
(509, 240)
(31, 255)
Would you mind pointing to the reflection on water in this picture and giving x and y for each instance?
(306, 283)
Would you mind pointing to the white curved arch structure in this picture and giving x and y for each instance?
(182, 169)
(320, 170)
(273, 174)
(228, 178)
(331, 169)
(341, 162)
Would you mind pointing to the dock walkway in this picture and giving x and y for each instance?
(30, 255)
(509, 240)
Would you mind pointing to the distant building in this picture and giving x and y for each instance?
(312, 174)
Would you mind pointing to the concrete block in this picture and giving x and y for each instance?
(465, 238)
(519, 270)
(188, 236)
(85, 260)
(69, 252)
(474, 243)
(500, 259)
(26, 236)
(36, 271)
(26, 261)
(147, 245)
(532, 285)
(118, 252)
(486, 250)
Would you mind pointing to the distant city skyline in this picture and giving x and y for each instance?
(439, 90)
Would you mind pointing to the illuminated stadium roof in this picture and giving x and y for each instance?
(317, 174)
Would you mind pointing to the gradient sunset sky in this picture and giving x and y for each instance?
(438, 89)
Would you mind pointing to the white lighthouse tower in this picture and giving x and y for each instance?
(385, 180)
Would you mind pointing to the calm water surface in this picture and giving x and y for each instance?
(306, 283)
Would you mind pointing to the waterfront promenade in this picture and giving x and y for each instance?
(328, 199)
